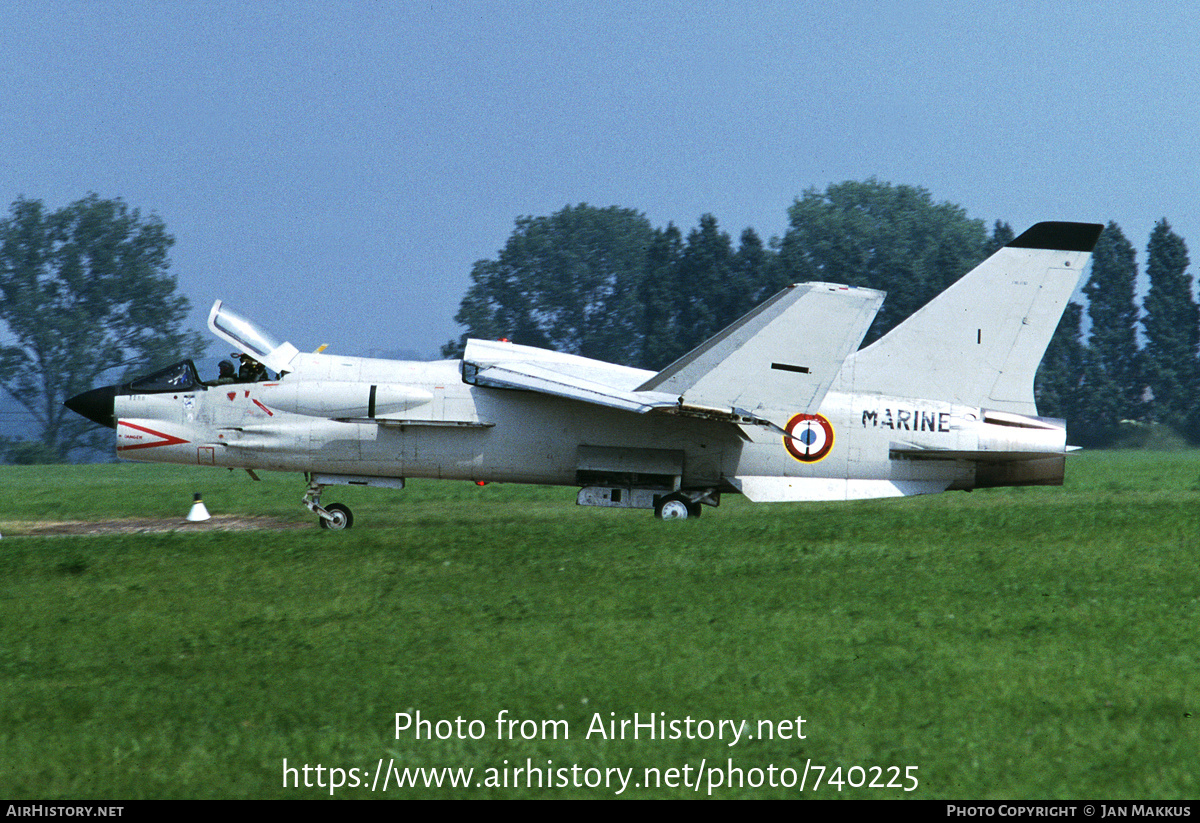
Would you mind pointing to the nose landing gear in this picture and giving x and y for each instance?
(335, 516)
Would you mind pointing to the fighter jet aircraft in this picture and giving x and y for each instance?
(779, 406)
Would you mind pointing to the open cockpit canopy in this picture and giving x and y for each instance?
(247, 337)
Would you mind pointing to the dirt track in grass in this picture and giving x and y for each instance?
(150, 525)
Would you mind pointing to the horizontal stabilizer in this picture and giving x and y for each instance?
(977, 456)
(770, 489)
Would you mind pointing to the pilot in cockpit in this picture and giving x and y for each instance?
(251, 371)
(225, 374)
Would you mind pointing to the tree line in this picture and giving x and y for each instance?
(86, 297)
(605, 283)
(1133, 370)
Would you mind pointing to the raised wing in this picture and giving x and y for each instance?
(777, 360)
(503, 365)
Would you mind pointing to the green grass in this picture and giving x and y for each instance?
(1021, 643)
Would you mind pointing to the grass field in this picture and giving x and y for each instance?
(1021, 643)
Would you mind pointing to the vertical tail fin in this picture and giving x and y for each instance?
(980, 342)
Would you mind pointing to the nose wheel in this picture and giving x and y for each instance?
(336, 516)
(339, 518)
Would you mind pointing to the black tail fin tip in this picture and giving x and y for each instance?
(1059, 236)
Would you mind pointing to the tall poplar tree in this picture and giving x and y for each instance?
(1172, 324)
(1113, 385)
(1058, 386)
(659, 338)
(707, 296)
(1002, 235)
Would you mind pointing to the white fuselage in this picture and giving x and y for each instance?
(380, 418)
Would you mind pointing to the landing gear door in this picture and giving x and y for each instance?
(244, 336)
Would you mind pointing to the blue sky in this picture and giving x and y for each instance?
(334, 169)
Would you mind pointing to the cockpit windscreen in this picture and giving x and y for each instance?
(179, 377)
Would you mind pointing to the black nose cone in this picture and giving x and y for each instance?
(96, 405)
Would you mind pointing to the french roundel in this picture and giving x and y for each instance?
(810, 437)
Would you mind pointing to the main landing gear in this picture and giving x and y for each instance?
(336, 516)
(676, 507)
(667, 505)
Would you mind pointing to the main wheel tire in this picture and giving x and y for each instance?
(340, 520)
(673, 507)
